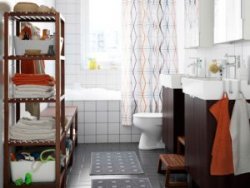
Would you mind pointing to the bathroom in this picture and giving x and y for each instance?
(162, 63)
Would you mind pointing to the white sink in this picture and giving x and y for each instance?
(172, 81)
(212, 88)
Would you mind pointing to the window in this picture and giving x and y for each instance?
(101, 31)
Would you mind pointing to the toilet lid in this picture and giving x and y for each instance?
(148, 115)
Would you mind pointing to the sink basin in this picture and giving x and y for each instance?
(172, 81)
(212, 88)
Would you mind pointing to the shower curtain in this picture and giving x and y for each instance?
(150, 49)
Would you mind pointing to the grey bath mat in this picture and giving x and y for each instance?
(121, 183)
(115, 163)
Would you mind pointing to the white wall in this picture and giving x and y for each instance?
(7, 5)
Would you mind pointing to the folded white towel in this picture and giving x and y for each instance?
(30, 129)
(33, 88)
(21, 136)
(22, 129)
(43, 122)
(23, 94)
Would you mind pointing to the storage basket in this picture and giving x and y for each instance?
(41, 171)
(43, 45)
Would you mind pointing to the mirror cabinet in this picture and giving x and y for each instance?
(231, 20)
(198, 23)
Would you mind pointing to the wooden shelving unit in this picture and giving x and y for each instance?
(58, 99)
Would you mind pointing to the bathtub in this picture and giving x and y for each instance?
(99, 112)
(91, 94)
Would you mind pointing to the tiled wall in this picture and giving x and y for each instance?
(110, 79)
(218, 52)
(99, 122)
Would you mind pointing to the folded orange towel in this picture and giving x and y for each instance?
(33, 79)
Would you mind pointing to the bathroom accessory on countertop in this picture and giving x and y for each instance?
(150, 125)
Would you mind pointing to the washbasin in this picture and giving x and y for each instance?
(213, 88)
(172, 81)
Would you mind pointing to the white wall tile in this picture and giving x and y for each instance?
(72, 50)
(102, 105)
(81, 129)
(125, 138)
(114, 106)
(136, 138)
(125, 129)
(67, 2)
(102, 128)
(102, 138)
(73, 28)
(102, 117)
(81, 117)
(81, 139)
(114, 117)
(73, 38)
(89, 117)
(73, 18)
(90, 139)
(113, 138)
(90, 129)
(90, 106)
(113, 128)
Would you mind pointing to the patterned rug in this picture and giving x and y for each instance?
(121, 183)
(115, 163)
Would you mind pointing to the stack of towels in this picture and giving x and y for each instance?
(33, 85)
(32, 129)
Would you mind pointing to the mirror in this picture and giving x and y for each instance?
(228, 21)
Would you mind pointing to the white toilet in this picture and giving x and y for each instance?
(150, 125)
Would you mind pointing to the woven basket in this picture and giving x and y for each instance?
(26, 7)
(44, 8)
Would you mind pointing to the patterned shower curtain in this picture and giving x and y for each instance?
(150, 48)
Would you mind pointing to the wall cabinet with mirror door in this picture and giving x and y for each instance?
(198, 23)
(231, 20)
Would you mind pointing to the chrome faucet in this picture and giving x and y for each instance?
(196, 64)
(235, 64)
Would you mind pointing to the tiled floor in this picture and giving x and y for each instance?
(79, 175)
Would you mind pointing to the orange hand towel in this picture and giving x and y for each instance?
(33, 79)
(222, 155)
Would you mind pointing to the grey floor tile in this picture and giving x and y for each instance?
(79, 173)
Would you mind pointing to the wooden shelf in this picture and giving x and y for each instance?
(32, 16)
(35, 185)
(40, 100)
(13, 142)
(24, 100)
(33, 57)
